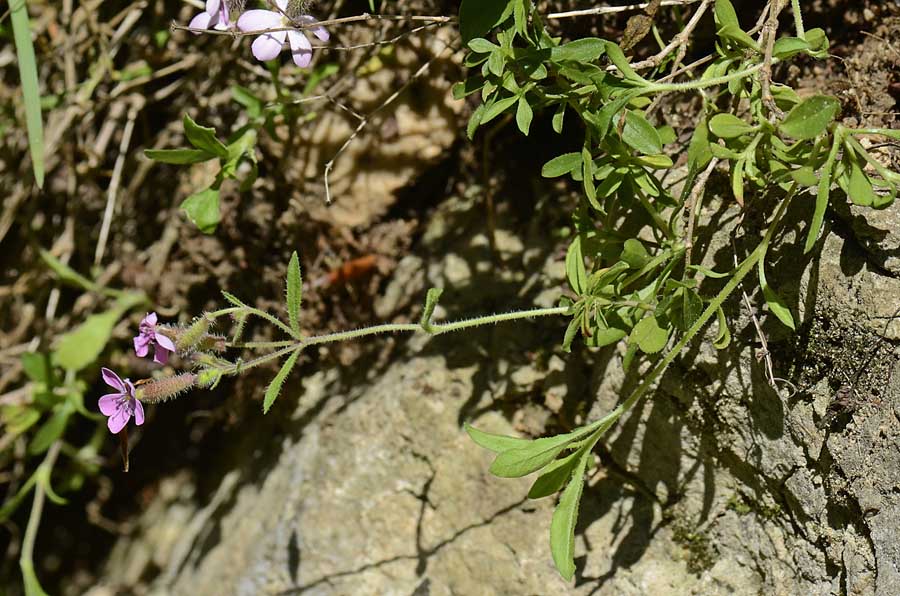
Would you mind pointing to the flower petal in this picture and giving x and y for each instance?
(138, 413)
(160, 355)
(259, 20)
(268, 46)
(282, 5)
(164, 341)
(150, 319)
(319, 31)
(212, 6)
(141, 344)
(301, 49)
(201, 21)
(118, 421)
(109, 403)
(112, 379)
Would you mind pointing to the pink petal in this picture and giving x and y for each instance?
(301, 49)
(112, 379)
(138, 413)
(268, 46)
(118, 421)
(160, 355)
(319, 31)
(201, 21)
(141, 346)
(164, 341)
(109, 403)
(282, 5)
(150, 319)
(212, 6)
(259, 20)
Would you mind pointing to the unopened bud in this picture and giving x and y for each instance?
(208, 377)
(188, 338)
(159, 390)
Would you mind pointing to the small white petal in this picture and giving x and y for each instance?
(268, 46)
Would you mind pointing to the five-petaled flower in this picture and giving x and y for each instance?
(120, 406)
(268, 45)
(150, 336)
(214, 17)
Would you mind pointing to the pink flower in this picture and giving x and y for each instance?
(268, 45)
(214, 17)
(121, 406)
(149, 336)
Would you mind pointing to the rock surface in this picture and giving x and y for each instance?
(361, 481)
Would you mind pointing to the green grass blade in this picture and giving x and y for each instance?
(29, 76)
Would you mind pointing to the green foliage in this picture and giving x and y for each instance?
(294, 292)
(629, 265)
(31, 93)
(274, 387)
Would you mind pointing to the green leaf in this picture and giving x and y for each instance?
(178, 156)
(204, 138)
(521, 461)
(737, 180)
(524, 114)
(640, 134)
(739, 36)
(558, 117)
(475, 121)
(555, 476)
(860, 189)
(811, 117)
(649, 336)
(274, 387)
(584, 50)
(699, 154)
(18, 419)
(493, 110)
(78, 348)
(571, 331)
(477, 17)
(243, 145)
(691, 307)
(562, 526)
(202, 208)
(729, 126)
(31, 94)
(822, 196)
(634, 253)
(431, 300)
(480, 45)
(67, 274)
(50, 431)
(776, 303)
(617, 57)
(294, 290)
(805, 176)
(725, 14)
(789, 46)
(561, 165)
(575, 271)
(723, 337)
(493, 442)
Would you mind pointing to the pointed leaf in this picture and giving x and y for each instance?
(640, 134)
(294, 293)
(776, 303)
(202, 208)
(561, 165)
(562, 526)
(275, 386)
(204, 138)
(493, 442)
(524, 114)
(811, 117)
(31, 93)
(178, 156)
(729, 126)
(555, 476)
(521, 461)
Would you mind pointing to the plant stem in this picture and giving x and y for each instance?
(26, 558)
(690, 85)
(798, 18)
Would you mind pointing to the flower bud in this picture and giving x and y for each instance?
(208, 377)
(159, 390)
(188, 338)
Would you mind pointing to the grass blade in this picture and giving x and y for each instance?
(32, 95)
